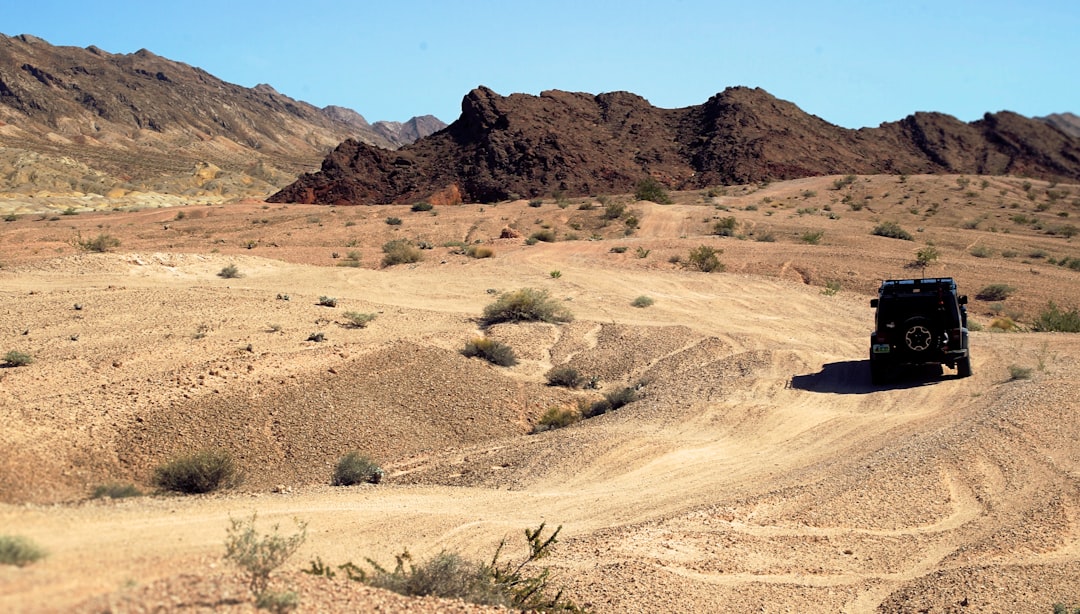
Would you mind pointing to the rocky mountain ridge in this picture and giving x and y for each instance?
(579, 144)
(76, 120)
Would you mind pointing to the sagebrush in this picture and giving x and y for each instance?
(199, 472)
(525, 305)
(495, 352)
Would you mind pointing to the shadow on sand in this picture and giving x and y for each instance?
(853, 377)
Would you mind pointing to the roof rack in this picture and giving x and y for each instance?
(915, 286)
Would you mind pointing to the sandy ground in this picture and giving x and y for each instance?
(758, 472)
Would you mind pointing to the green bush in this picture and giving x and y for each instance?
(725, 227)
(355, 468)
(925, 256)
(981, 251)
(614, 210)
(393, 221)
(115, 491)
(19, 551)
(611, 401)
(557, 418)
(422, 206)
(642, 301)
(200, 472)
(259, 555)
(812, 237)
(400, 251)
(525, 305)
(567, 377)
(357, 319)
(495, 352)
(995, 292)
(15, 358)
(1053, 319)
(892, 230)
(704, 258)
(650, 189)
(229, 271)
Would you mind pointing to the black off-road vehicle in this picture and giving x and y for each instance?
(919, 322)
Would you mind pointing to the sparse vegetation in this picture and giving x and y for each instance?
(725, 227)
(611, 401)
(926, 256)
(495, 352)
(327, 301)
(567, 377)
(995, 292)
(357, 319)
(421, 206)
(19, 551)
(545, 235)
(393, 221)
(555, 274)
(115, 491)
(100, 244)
(479, 252)
(400, 251)
(229, 271)
(642, 301)
(525, 305)
(517, 585)
(832, 288)
(557, 418)
(651, 190)
(812, 237)
(15, 358)
(1054, 319)
(355, 468)
(705, 258)
(199, 472)
(981, 251)
(892, 230)
(1018, 372)
(258, 556)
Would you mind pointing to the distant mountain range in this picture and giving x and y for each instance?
(579, 144)
(140, 121)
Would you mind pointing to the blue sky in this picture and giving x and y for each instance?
(853, 63)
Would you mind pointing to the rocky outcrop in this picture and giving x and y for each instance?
(578, 144)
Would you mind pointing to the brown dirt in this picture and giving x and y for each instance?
(759, 471)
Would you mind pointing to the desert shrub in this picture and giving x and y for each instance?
(476, 251)
(618, 249)
(555, 274)
(10, 217)
(421, 206)
(642, 301)
(400, 251)
(704, 258)
(393, 221)
(229, 271)
(650, 189)
(641, 252)
(995, 292)
(812, 237)
(357, 319)
(258, 556)
(1018, 372)
(515, 584)
(19, 551)
(981, 251)
(115, 491)
(355, 468)
(725, 227)
(525, 305)
(925, 256)
(891, 230)
(317, 337)
(327, 301)
(832, 288)
(100, 244)
(15, 358)
(1054, 319)
(556, 418)
(495, 352)
(1002, 323)
(567, 377)
(614, 210)
(612, 400)
(842, 183)
(546, 235)
(200, 472)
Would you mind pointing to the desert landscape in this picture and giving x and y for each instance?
(756, 469)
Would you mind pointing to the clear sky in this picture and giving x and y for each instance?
(853, 63)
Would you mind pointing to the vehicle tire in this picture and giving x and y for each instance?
(963, 367)
(920, 336)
